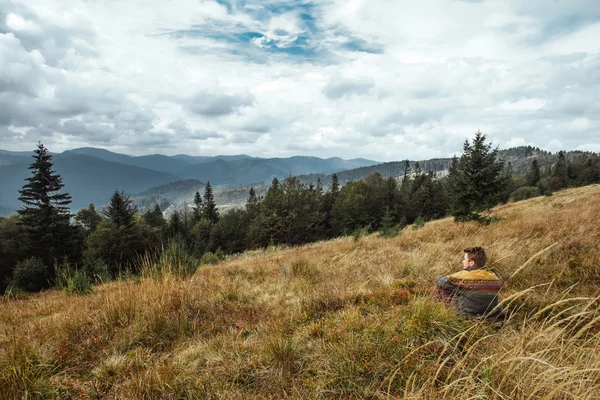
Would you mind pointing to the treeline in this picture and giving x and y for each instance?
(44, 245)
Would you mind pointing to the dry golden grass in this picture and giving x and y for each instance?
(336, 319)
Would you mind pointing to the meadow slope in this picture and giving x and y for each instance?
(338, 319)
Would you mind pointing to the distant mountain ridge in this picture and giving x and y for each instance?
(91, 175)
(517, 160)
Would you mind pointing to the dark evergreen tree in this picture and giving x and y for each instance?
(13, 241)
(387, 224)
(319, 188)
(197, 207)
(157, 226)
(88, 219)
(560, 176)
(335, 185)
(590, 173)
(406, 175)
(119, 247)
(252, 203)
(476, 181)
(428, 198)
(289, 214)
(45, 214)
(360, 204)
(418, 169)
(533, 175)
(403, 202)
(120, 211)
(210, 211)
(119, 239)
(229, 233)
(275, 184)
(176, 225)
(154, 218)
(200, 235)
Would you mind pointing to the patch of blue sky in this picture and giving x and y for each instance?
(360, 45)
(306, 47)
(569, 23)
(227, 5)
(562, 26)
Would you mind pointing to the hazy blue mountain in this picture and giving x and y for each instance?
(251, 170)
(191, 159)
(222, 169)
(177, 193)
(180, 195)
(91, 175)
(88, 179)
(159, 162)
(517, 159)
(228, 158)
(101, 154)
(13, 157)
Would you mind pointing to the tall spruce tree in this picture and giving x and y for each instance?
(154, 218)
(210, 211)
(533, 175)
(252, 203)
(176, 225)
(335, 186)
(560, 176)
(197, 207)
(476, 180)
(120, 210)
(45, 214)
(88, 218)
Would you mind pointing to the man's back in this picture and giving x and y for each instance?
(473, 292)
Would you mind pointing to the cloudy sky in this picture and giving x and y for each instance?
(379, 79)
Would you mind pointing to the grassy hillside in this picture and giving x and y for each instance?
(339, 319)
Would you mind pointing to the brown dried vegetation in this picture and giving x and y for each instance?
(336, 319)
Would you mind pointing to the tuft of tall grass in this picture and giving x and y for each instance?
(73, 280)
(173, 259)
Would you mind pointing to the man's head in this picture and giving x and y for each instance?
(474, 256)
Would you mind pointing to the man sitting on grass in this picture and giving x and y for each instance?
(472, 292)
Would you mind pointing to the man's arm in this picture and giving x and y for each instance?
(444, 283)
(444, 290)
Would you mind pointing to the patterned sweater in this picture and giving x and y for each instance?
(472, 292)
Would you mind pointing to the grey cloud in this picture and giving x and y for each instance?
(201, 134)
(338, 89)
(564, 58)
(262, 124)
(20, 72)
(245, 137)
(216, 105)
(52, 41)
(94, 132)
(183, 131)
(179, 126)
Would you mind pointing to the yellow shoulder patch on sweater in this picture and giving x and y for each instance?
(476, 275)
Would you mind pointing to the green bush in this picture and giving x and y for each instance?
(73, 280)
(419, 223)
(360, 232)
(212, 258)
(30, 275)
(97, 270)
(524, 193)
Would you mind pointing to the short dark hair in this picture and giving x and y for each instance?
(476, 254)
